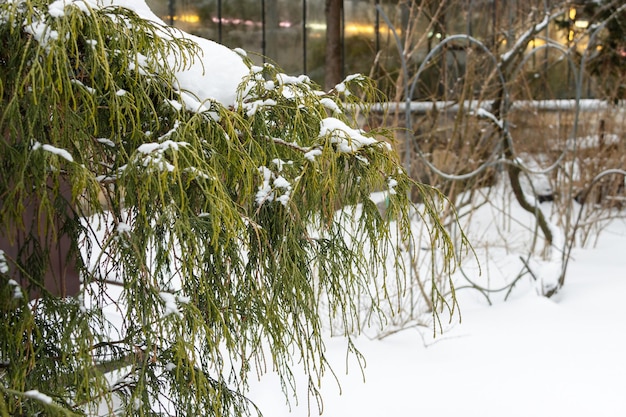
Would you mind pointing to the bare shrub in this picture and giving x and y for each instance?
(483, 122)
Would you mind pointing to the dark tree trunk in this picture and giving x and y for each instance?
(42, 253)
(334, 61)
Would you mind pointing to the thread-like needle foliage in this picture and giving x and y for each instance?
(222, 227)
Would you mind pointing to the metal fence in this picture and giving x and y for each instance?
(292, 33)
(289, 32)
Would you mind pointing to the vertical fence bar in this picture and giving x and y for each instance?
(219, 21)
(304, 37)
(343, 40)
(263, 33)
(469, 17)
(170, 10)
(377, 27)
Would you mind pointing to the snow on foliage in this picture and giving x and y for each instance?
(271, 184)
(4, 268)
(36, 395)
(347, 139)
(17, 290)
(342, 86)
(41, 32)
(54, 150)
(123, 228)
(310, 155)
(170, 303)
(392, 184)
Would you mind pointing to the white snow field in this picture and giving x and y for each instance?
(528, 356)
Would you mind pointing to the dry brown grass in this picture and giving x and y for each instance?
(600, 145)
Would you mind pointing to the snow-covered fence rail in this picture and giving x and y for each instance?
(423, 107)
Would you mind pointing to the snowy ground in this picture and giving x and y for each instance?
(529, 356)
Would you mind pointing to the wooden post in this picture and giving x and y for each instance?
(41, 253)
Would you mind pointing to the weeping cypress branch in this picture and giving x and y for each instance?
(225, 228)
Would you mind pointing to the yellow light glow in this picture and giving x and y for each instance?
(187, 18)
(572, 14)
(316, 26)
(359, 29)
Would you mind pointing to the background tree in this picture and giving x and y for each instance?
(219, 223)
(334, 43)
(608, 63)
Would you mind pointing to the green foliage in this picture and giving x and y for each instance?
(221, 226)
